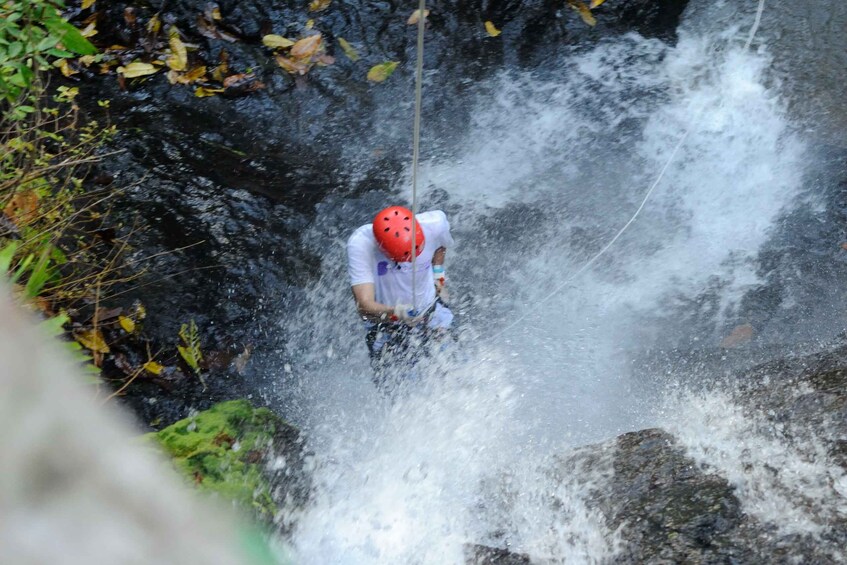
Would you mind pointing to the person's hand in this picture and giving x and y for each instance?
(439, 278)
(406, 314)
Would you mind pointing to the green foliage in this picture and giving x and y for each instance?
(32, 32)
(221, 450)
(190, 348)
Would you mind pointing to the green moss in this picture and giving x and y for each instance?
(221, 450)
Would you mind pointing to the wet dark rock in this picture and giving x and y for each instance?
(484, 555)
(668, 508)
(222, 190)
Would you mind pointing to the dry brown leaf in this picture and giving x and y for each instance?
(738, 336)
(595, 3)
(22, 207)
(322, 59)
(291, 66)
(491, 29)
(304, 49)
(86, 4)
(92, 339)
(416, 17)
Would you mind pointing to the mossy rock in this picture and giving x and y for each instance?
(223, 451)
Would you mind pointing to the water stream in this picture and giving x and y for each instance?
(553, 165)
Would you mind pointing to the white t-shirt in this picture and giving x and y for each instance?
(366, 263)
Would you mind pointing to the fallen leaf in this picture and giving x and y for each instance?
(208, 29)
(87, 60)
(92, 339)
(86, 4)
(241, 84)
(154, 25)
(595, 3)
(178, 60)
(323, 59)
(223, 67)
(276, 41)
(584, 11)
(844, 246)
(216, 13)
(232, 80)
(738, 336)
(305, 48)
(382, 71)
(348, 49)
(153, 367)
(195, 74)
(140, 310)
(203, 92)
(491, 29)
(136, 69)
(22, 206)
(319, 5)
(90, 30)
(129, 16)
(291, 66)
(128, 324)
(65, 68)
(416, 17)
(310, 24)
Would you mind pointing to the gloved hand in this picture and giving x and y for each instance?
(406, 314)
(439, 278)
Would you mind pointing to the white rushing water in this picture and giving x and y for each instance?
(553, 166)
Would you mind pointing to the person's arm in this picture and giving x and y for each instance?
(438, 256)
(439, 278)
(367, 305)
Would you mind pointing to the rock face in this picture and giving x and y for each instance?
(665, 504)
(245, 455)
(232, 181)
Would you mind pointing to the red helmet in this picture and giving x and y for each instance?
(393, 232)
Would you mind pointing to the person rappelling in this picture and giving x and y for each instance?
(401, 297)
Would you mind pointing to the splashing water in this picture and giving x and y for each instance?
(552, 168)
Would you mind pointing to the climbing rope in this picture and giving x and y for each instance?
(416, 142)
(620, 232)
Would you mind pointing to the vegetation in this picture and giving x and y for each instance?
(221, 450)
(58, 249)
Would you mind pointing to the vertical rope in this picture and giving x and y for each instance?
(416, 142)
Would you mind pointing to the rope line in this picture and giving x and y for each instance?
(620, 232)
(756, 23)
(611, 241)
(416, 142)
